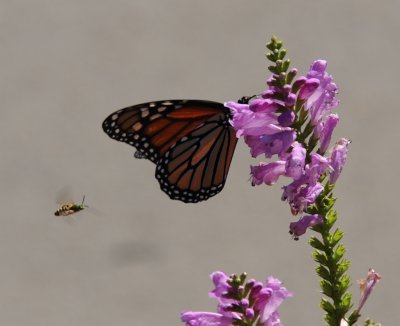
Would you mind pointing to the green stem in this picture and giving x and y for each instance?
(329, 254)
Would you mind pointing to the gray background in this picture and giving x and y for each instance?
(135, 257)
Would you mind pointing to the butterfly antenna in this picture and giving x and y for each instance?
(246, 99)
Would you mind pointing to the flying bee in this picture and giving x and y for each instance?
(70, 208)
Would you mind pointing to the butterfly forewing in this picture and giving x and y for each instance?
(153, 127)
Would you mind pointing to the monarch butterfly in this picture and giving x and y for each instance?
(70, 208)
(190, 141)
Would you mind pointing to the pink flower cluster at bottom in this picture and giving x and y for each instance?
(261, 303)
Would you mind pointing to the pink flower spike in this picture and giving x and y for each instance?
(366, 287)
(300, 227)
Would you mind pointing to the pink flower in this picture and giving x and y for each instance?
(220, 280)
(254, 119)
(308, 88)
(323, 99)
(300, 194)
(267, 173)
(338, 158)
(300, 227)
(325, 130)
(269, 299)
(277, 141)
(316, 168)
(366, 287)
(198, 318)
(295, 162)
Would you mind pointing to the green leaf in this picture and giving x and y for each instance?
(336, 237)
(345, 303)
(269, 46)
(327, 306)
(320, 257)
(270, 56)
(353, 317)
(342, 286)
(369, 322)
(344, 283)
(331, 218)
(338, 253)
(316, 243)
(272, 44)
(331, 320)
(282, 54)
(328, 203)
(290, 76)
(342, 267)
(319, 228)
(243, 278)
(326, 288)
(323, 272)
(285, 65)
(282, 77)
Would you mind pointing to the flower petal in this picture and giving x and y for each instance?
(323, 99)
(246, 121)
(300, 227)
(338, 158)
(295, 162)
(199, 318)
(308, 88)
(220, 280)
(366, 287)
(270, 298)
(300, 194)
(326, 131)
(267, 173)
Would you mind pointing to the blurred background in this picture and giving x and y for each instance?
(135, 257)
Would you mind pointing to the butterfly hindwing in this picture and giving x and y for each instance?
(196, 167)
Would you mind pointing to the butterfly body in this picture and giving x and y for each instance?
(190, 141)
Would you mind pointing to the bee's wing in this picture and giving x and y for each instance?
(64, 195)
